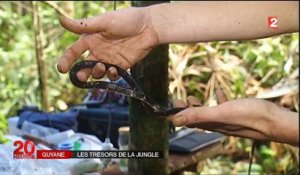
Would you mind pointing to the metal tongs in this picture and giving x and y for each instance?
(134, 91)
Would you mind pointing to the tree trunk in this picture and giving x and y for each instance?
(17, 7)
(39, 50)
(25, 4)
(148, 131)
(86, 8)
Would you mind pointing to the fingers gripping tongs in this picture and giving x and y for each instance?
(134, 91)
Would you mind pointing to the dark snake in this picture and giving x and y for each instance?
(135, 91)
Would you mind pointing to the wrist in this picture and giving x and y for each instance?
(147, 26)
(285, 125)
(152, 13)
(170, 22)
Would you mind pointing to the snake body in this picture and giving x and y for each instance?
(135, 91)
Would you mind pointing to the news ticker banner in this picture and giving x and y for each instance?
(26, 150)
(67, 154)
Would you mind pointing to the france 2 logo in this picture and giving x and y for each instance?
(272, 22)
(24, 150)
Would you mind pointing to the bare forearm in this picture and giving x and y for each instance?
(285, 126)
(181, 22)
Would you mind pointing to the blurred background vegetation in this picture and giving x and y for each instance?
(265, 68)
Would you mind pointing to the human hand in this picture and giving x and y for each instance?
(120, 37)
(251, 118)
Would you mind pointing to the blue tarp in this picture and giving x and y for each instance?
(62, 121)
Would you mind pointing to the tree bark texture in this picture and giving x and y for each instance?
(39, 50)
(148, 132)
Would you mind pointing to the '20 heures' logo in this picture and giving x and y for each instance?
(24, 150)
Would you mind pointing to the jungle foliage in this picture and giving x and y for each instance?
(241, 68)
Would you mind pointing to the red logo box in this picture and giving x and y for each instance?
(24, 150)
(272, 22)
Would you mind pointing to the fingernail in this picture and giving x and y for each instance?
(102, 67)
(81, 76)
(112, 69)
(178, 121)
(59, 68)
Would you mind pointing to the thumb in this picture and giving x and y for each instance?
(89, 25)
(194, 115)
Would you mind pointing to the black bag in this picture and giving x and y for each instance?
(95, 121)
